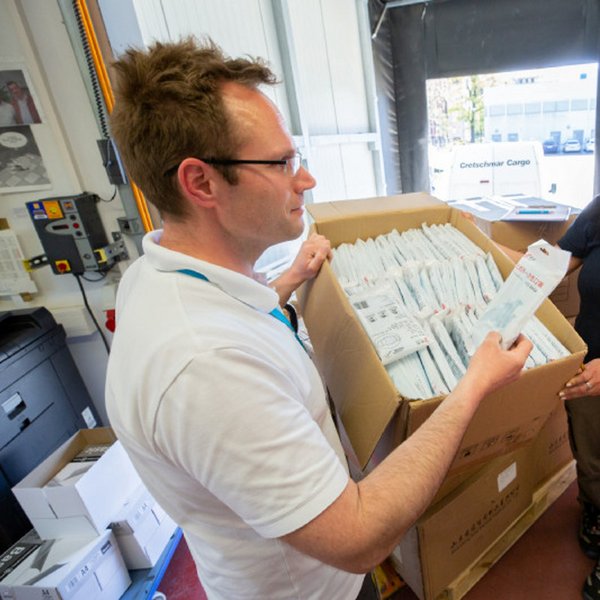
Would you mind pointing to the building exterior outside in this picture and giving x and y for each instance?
(556, 104)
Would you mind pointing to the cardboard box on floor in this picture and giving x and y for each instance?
(88, 506)
(63, 569)
(364, 396)
(551, 449)
(455, 532)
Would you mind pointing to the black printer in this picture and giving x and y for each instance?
(43, 402)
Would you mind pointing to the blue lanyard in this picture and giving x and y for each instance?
(276, 312)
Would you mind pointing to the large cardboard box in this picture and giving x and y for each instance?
(566, 295)
(142, 529)
(64, 569)
(551, 449)
(364, 396)
(87, 506)
(453, 533)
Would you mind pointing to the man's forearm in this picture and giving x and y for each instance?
(285, 285)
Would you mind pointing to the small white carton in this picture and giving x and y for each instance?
(142, 530)
(63, 569)
(82, 505)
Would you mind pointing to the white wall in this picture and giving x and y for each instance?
(316, 48)
(33, 36)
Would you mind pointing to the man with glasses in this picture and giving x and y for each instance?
(211, 393)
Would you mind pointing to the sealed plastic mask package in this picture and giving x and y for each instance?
(445, 341)
(443, 295)
(471, 270)
(544, 340)
(464, 289)
(532, 280)
(407, 295)
(439, 358)
(486, 283)
(394, 334)
(460, 332)
(409, 377)
(411, 276)
(438, 387)
(494, 271)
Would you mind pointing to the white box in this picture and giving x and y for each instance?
(86, 507)
(142, 530)
(64, 569)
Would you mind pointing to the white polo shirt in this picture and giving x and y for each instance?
(225, 417)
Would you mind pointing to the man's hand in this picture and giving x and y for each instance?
(492, 368)
(585, 383)
(313, 252)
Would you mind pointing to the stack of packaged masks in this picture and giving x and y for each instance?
(427, 297)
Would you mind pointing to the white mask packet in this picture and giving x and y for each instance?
(532, 280)
(392, 331)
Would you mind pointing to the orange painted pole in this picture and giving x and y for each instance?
(109, 99)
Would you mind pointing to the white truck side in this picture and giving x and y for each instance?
(491, 169)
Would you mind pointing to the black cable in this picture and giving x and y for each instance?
(100, 278)
(114, 194)
(85, 301)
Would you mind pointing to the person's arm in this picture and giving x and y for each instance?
(313, 252)
(361, 528)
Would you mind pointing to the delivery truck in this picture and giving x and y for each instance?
(490, 169)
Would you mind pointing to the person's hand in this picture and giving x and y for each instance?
(313, 252)
(492, 367)
(585, 383)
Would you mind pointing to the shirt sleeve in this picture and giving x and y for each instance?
(582, 231)
(241, 427)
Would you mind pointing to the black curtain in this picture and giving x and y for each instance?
(444, 38)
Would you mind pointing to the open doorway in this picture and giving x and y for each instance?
(547, 115)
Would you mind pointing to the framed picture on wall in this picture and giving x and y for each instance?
(21, 166)
(18, 105)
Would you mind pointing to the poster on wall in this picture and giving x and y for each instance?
(21, 166)
(17, 98)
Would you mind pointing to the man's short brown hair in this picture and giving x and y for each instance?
(169, 107)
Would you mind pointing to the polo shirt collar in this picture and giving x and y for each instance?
(241, 287)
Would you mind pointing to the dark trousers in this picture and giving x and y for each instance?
(584, 437)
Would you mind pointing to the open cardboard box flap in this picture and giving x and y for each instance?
(365, 398)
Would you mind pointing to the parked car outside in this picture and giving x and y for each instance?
(550, 146)
(590, 145)
(572, 145)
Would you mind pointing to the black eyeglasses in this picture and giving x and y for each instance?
(290, 165)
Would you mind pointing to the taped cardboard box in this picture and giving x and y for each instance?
(551, 449)
(364, 396)
(566, 295)
(455, 532)
(518, 235)
(84, 505)
(63, 569)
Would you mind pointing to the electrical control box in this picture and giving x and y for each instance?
(72, 234)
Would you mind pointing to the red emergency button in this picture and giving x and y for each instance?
(62, 266)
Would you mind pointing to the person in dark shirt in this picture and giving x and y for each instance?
(582, 393)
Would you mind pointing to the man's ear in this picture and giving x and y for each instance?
(197, 181)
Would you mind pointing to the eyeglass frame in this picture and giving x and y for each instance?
(289, 162)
